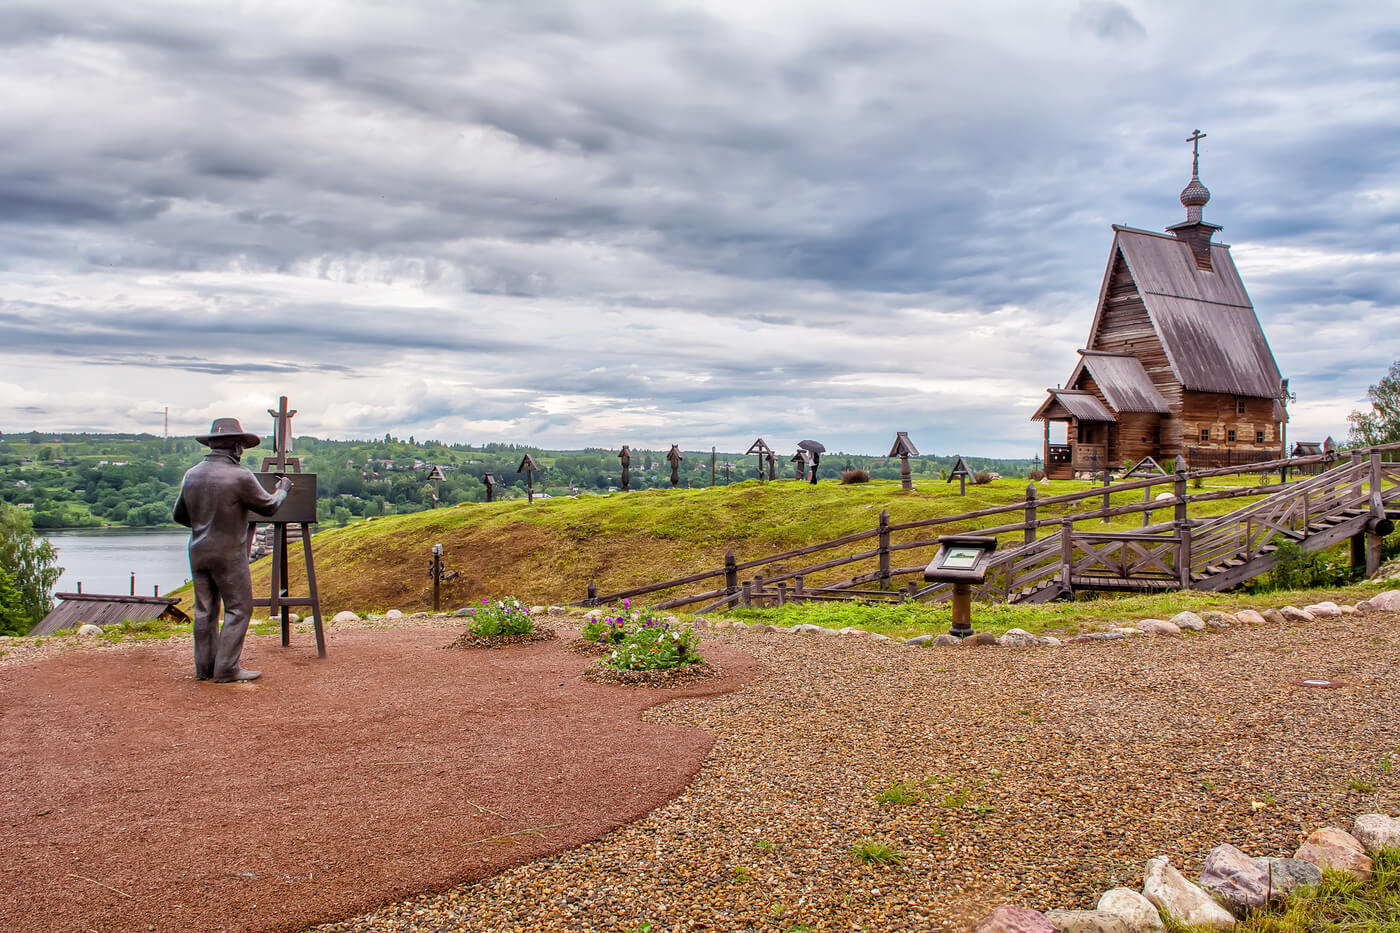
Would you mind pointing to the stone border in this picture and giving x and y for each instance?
(468, 640)
(1232, 885)
(671, 677)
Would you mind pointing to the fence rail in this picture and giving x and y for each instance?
(1182, 552)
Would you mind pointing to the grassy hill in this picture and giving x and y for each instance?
(549, 551)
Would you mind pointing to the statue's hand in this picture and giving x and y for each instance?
(284, 484)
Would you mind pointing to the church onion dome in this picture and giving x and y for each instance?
(1194, 197)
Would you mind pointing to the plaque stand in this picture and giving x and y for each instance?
(279, 602)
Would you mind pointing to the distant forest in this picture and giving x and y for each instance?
(90, 480)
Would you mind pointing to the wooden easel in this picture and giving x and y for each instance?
(280, 601)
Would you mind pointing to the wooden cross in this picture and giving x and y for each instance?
(281, 436)
(1195, 140)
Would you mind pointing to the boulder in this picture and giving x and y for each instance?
(1107, 636)
(1140, 914)
(1008, 919)
(1088, 921)
(1164, 886)
(464, 612)
(1324, 610)
(1376, 831)
(1294, 614)
(345, 615)
(1158, 627)
(1050, 641)
(1348, 610)
(393, 614)
(1017, 638)
(946, 641)
(1285, 874)
(88, 630)
(1274, 617)
(556, 610)
(1236, 880)
(876, 636)
(1188, 619)
(1163, 497)
(1249, 617)
(1337, 850)
(593, 614)
(721, 625)
(293, 618)
(807, 628)
(418, 616)
(1127, 631)
(1363, 605)
(919, 640)
(1389, 601)
(536, 610)
(979, 639)
(851, 630)
(1221, 620)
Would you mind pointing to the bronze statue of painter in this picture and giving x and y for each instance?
(215, 497)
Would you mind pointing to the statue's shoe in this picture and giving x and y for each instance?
(238, 676)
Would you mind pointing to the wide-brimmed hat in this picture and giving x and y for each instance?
(228, 428)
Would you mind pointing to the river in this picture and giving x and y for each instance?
(103, 559)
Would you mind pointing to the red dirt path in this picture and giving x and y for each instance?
(137, 798)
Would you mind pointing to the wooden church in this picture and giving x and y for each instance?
(1176, 362)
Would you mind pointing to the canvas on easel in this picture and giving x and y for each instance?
(297, 515)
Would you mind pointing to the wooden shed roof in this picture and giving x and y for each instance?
(1076, 404)
(75, 609)
(1124, 382)
(1204, 318)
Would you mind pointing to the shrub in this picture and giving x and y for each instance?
(982, 477)
(854, 476)
(503, 618)
(1036, 476)
(654, 646)
(876, 852)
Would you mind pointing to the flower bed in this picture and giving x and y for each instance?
(640, 649)
(500, 625)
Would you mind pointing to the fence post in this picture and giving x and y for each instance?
(747, 594)
(1183, 553)
(1066, 553)
(1031, 494)
(731, 576)
(757, 591)
(1146, 501)
(884, 548)
(797, 587)
(1179, 490)
(1375, 530)
(1107, 478)
(1356, 474)
(782, 594)
(592, 594)
(913, 587)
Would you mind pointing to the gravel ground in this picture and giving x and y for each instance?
(1044, 776)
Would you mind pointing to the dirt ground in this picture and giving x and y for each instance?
(137, 798)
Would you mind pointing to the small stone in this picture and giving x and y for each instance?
(418, 616)
(1164, 886)
(1017, 638)
(1294, 614)
(293, 618)
(1249, 617)
(1324, 610)
(1008, 919)
(919, 640)
(1348, 610)
(1273, 616)
(1049, 641)
(1363, 605)
(1236, 879)
(1285, 874)
(671, 620)
(1389, 601)
(345, 615)
(1088, 921)
(1221, 620)
(1127, 631)
(735, 623)
(857, 632)
(1188, 619)
(807, 628)
(946, 641)
(88, 630)
(556, 610)
(463, 612)
(1158, 627)
(1081, 639)
(721, 625)
(1337, 850)
(393, 614)
(980, 639)
(876, 636)
(536, 610)
(1107, 636)
(1163, 497)
(1376, 831)
(1139, 913)
(593, 614)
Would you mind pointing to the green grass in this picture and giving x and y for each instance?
(1340, 904)
(876, 852)
(1094, 611)
(900, 793)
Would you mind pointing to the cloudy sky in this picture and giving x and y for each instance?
(610, 221)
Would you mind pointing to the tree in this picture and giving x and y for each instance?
(30, 565)
(1381, 425)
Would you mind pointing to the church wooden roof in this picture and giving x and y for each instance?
(1203, 317)
(1123, 382)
